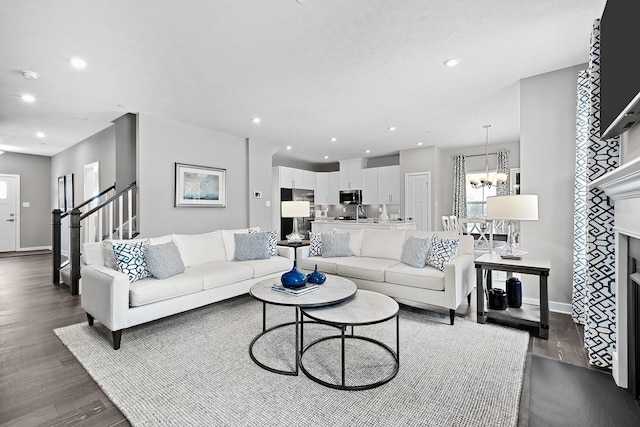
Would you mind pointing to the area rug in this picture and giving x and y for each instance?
(194, 369)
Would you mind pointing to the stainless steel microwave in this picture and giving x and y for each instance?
(351, 197)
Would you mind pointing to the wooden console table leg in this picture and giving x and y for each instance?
(544, 307)
(480, 295)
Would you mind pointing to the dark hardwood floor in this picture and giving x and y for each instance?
(41, 383)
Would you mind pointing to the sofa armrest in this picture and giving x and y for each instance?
(303, 252)
(286, 251)
(458, 279)
(105, 296)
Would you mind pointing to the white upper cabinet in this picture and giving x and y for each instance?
(351, 174)
(296, 178)
(388, 184)
(333, 188)
(327, 192)
(370, 186)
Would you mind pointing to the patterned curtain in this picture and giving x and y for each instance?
(594, 303)
(459, 208)
(503, 167)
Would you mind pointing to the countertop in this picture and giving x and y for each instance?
(362, 221)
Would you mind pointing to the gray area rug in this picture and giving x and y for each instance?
(194, 369)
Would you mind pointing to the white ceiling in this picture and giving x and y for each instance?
(310, 69)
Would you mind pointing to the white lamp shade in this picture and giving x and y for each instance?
(296, 209)
(519, 207)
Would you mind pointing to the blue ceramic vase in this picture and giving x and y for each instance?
(316, 277)
(293, 278)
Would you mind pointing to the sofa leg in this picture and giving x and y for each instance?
(90, 319)
(117, 336)
(452, 316)
(469, 299)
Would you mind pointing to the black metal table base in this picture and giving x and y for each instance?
(343, 337)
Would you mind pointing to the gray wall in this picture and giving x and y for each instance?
(35, 177)
(97, 148)
(260, 172)
(547, 132)
(161, 143)
(125, 150)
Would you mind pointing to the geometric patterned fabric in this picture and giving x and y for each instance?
(335, 245)
(596, 301)
(441, 251)
(315, 244)
(459, 208)
(251, 246)
(414, 251)
(130, 259)
(163, 260)
(273, 241)
(502, 189)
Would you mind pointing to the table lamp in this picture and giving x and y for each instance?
(295, 210)
(518, 207)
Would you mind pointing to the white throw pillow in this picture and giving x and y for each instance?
(385, 244)
(200, 248)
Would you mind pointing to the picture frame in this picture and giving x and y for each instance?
(200, 186)
(68, 191)
(61, 199)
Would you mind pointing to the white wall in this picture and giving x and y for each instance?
(547, 166)
(260, 171)
(631, 144)
(161, 143)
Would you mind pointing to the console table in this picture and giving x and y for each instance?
(527, 314)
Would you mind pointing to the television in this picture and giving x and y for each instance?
(619, 67)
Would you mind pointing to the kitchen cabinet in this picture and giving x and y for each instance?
(319, 226)
(351, 174)
(333, 191)
(388, 185)
(296, 178)
(370, 186)
(327, 192)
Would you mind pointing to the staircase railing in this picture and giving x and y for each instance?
(115, 223)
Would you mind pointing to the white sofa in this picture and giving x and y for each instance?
(376, 265)
(210, 275)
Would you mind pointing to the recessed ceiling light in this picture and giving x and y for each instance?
(40, 134)
(289, 147)
(451, 62)
(419, 143)
(28, 98)
(334, 139)
(392, 128)
(78, 63)
(256, 120)
(31, 75)
(367, 151)
(326, 157)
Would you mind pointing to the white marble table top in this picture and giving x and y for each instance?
(334, 290)
(366, 307)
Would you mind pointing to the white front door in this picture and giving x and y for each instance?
(9, 221)
(418, 199)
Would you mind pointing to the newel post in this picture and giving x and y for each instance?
(74, 239)
(55, 242)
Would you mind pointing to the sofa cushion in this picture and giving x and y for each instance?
(426, 278)
(325, 265)
(263, 267)
(131, 261)
(152, 290)
(414, 251)
(335, 245)
(365, 268)
(250, 246)
(441, 251)
(355, 239)
(221, 273)
(383, 243)
(163, 260)
(200, 248)
(229, 240)
(92, 253)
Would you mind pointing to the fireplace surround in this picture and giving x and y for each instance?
(622, 185)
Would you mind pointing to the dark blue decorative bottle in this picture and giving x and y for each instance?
(514, 292)
(293, 278)
(316, 277)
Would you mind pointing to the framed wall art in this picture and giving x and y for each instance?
(200, 186)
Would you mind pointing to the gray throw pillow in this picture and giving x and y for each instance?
(414, 252)
(250, 246)
(163, 260)
(335, 245)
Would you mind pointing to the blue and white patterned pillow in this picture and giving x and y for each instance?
(130, 259)
(251, 246)
(315, 244)
(335, 245)
(163, 260)
(441, 251)
(414, 252)
(273, 240)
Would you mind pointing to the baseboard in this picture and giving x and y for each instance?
(34, 248)
(557, 307)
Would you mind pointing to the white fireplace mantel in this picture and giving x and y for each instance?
(622, 182)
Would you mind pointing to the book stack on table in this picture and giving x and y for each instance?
(300, 290)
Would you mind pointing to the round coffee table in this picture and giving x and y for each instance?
(335, 290)
(365, 308)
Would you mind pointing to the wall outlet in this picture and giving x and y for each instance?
(268, 203)
(26, 204)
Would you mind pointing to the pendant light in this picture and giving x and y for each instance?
(485, 180)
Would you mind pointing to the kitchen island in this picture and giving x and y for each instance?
(324, 226)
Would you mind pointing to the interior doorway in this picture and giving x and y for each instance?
(417, 196)
(9, 210)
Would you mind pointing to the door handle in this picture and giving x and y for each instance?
(11, 220)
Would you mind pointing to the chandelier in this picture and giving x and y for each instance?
(487, 180)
